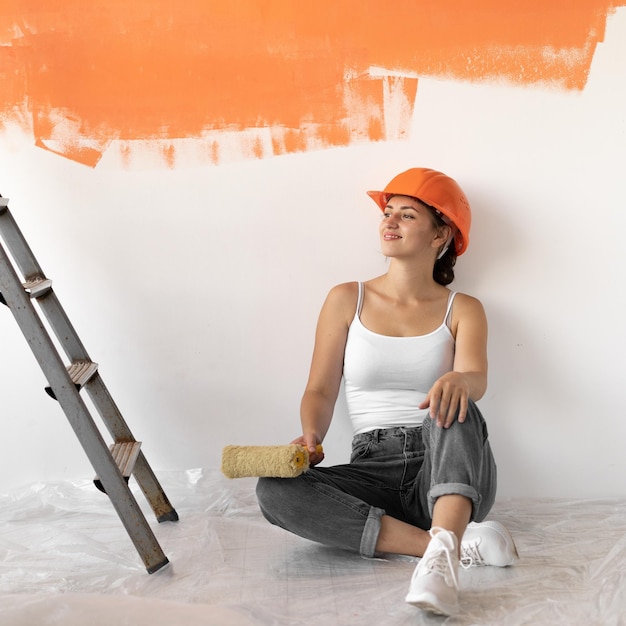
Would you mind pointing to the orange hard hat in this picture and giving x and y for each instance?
(438, 191)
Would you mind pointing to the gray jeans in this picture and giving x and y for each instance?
(394, 471)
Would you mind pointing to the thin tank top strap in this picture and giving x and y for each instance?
(446, 319)
(359, 302)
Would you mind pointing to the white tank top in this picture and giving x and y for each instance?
(386, 378)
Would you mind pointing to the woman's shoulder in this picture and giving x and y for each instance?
(340, 304)
(465, 300)
(344, 294)
(342, 299)
(466, 306)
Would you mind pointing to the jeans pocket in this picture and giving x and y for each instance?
(485, 432)
(360, 450)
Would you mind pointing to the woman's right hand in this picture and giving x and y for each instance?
(313, 446)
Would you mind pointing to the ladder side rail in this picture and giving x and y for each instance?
(119, 430)
(62, 327)
(146, 479)
(18, 247)
(80, 420)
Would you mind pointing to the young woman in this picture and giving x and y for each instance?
(413, 357)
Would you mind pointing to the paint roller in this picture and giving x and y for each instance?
(269, 461)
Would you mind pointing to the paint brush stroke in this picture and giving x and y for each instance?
(256, 78)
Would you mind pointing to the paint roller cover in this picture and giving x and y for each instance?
(272, 461)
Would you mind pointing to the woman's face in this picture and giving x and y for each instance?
(407, 227)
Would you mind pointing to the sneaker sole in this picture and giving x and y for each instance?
(431, 604)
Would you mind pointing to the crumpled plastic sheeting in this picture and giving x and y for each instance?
(65, 558)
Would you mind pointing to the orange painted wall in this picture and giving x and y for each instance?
(79, 75)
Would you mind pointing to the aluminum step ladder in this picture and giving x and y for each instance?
(26, 297)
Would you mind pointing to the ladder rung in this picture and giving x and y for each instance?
(82, 371)
(38, 287)
(125, 455)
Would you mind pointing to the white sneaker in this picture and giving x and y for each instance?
(434, 586)
(488, 543)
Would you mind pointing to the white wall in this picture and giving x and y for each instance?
(197, 289)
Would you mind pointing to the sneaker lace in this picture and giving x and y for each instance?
(470, 555)
(441, 563)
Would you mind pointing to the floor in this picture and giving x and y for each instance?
(65, 559)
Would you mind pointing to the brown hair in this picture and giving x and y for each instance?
(443, 271)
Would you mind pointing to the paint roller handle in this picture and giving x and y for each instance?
(314, 457)
(317, 456)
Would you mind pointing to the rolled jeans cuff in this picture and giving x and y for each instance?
(457, 489)
(371, 530)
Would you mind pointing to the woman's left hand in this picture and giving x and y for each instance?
(447, 399)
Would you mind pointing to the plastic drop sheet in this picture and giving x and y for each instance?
(65, 558)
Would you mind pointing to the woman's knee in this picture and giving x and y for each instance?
(267, 497)
(276, 497)
(475, 417)
(263, 486)
(472, 430)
